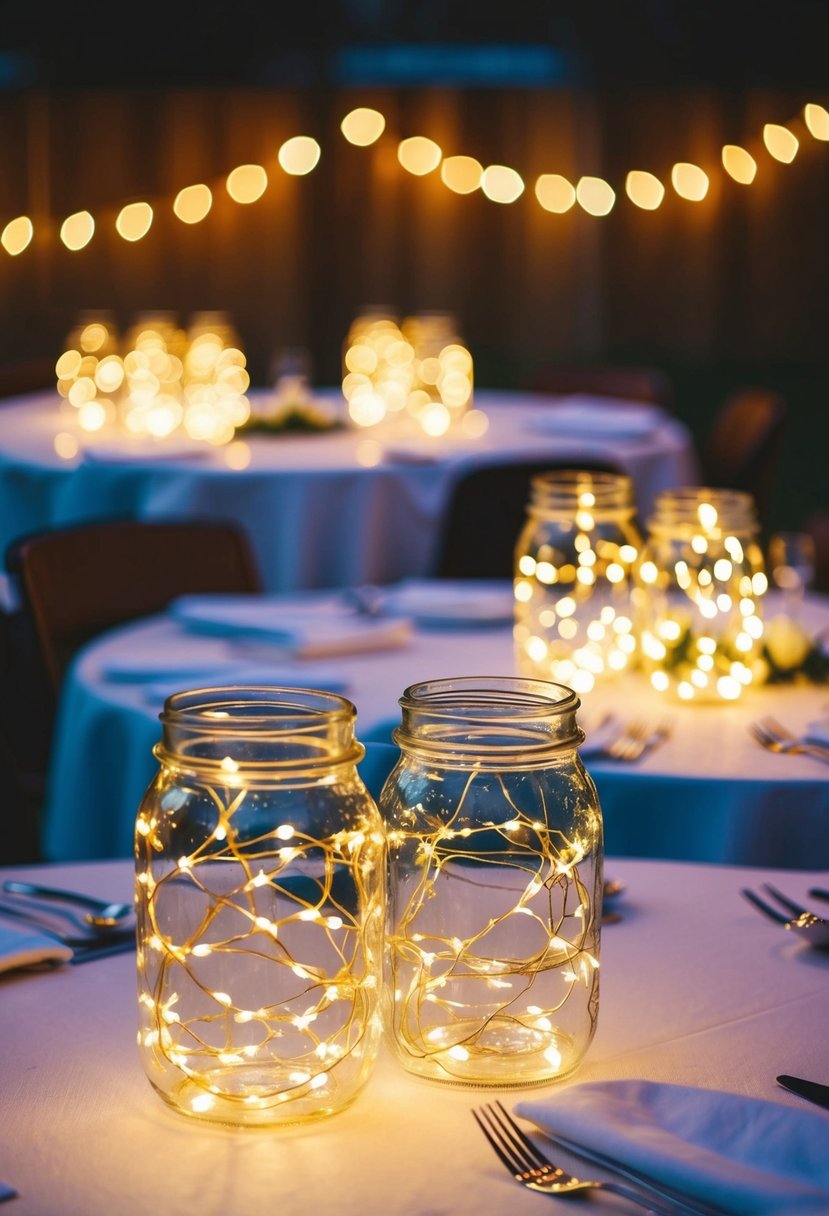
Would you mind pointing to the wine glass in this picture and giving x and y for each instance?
(791, 557)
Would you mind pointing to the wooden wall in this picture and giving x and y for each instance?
(741, 275)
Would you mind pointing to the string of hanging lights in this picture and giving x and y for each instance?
(462, 174)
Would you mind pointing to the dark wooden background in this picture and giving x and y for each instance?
(731, 290)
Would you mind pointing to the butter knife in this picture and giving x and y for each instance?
(684, 1205)
(812, 1090)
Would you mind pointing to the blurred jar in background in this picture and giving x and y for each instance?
(406, 379)
(699, 594)
(573, 581)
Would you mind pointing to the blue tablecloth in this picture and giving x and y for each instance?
(331, 509)
(709, 793)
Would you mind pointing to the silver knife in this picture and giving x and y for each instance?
(812, 1090)
(684, 1205)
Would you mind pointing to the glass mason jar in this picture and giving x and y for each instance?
(699, 594)
(495, 883)
(260, 903)
(442, 373)
(574, 562)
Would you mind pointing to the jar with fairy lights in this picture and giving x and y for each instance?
(260, 903)
(699, 594)
(574, 561)
(406, 379)
(495, 850)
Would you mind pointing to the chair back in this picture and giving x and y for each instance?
(743, 446)
(73, 583)
(77, 581)
(642, 384)
(485, 514)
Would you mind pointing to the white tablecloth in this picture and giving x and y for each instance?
(709, 793)
(697, 989)
(322, 510)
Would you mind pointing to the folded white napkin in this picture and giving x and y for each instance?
(602, 417)
(309, 675)
(161, 666)
(301, 632)
(444, 603)
(126, 450)
(21, 946)
(750, 1156)
(138, 666)
(411, 453)
(817, 731)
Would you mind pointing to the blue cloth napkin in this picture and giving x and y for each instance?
(750, 1156)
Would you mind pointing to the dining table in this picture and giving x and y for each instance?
(708, 793)
(700, 996)
(322, 508)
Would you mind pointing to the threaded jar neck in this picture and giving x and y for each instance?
(250, 729)
(690, 509)
(489, 722)
(567, 492)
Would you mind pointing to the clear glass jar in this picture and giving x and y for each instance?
(495, 881)
(699, 594)
(442, 372)
(260, 902)
(574, 562)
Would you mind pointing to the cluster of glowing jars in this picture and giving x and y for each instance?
(699, 594)
(285, 921)
(260, 902)
(573, 584)
(159, 381)
(409, 379)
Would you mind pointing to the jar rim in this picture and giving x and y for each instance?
(276, 729)
(522, 697)
(195, 707)
(564, 491)
(682, 505)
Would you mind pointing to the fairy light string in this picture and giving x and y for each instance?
(209, 1050)
(299, 155)
(460, 1001)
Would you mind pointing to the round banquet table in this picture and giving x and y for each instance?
(708, 793)
(322, 510)
(697, 990)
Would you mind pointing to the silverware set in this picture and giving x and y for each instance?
(791, 914)
(99, 927)
(771, 735)
(634, 739)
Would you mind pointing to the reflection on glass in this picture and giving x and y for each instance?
(791, 562)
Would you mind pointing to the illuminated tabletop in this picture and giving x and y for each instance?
(697, 989)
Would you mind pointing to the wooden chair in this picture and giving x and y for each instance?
(485, 513)
(74, 583)
(77, 581)
(743, 446)
(643, 384)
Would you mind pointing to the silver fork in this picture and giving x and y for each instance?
(638, 738)
(532, 1169)
(776, 738)
(796, 918)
